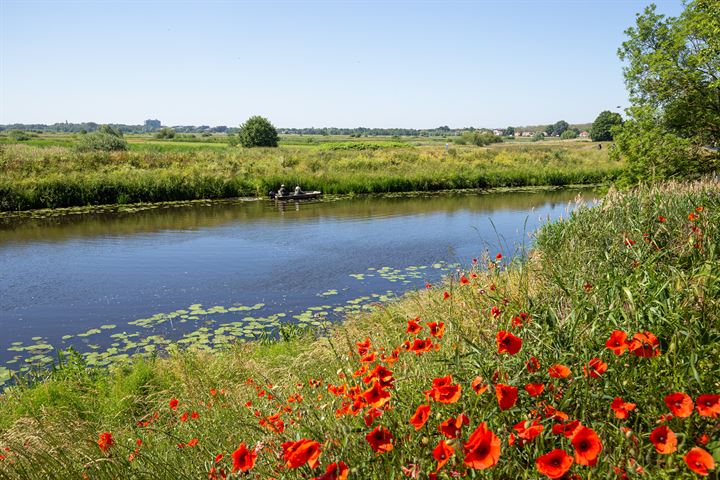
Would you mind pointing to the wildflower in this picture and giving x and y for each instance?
(421, 346)
(506, 396)
(420, 417)
(567, 429)
(194, 415)
(495, 312)
(335, 471)
(534, 389)
(371, 415)
(413, 326)
(369, 358)
(702, 439)
(243, 459)
(617, 342)
(699, 461)
(193, 442)
(554, 464)
(184, 417)
(380, 439)
(442, 454)
(692, 217)
(680, 404)
(363, 347)
(595, 368)
(174, 402)
(664, 440)
(437, 329)
(708, 405)
(587, 446)
(661, 219)
(629, 242)
(533, 365)
(297, 454)
(587, 286)
(446, 295)
(498, 256)
(444, 391)
(452, 426)
(644, 345)
(478, 386)
(376, 396)
(105, 441)
(508, 343)
(482, 449)
(699, 209)
(428, 285)
(464, 280)
(559, 371)
(528, 431)
(621, 408)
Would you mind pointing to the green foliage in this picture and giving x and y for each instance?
(477, 138)
(538, 137)
(110, 130)
(673, 76)
(165, 132)
(509, 131)
(560, 127)
(602, 128)
(19, 135)
(101, 141)
(257, 131)
(569, 134)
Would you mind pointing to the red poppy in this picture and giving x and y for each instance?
(105, 441)
(297, 454)
(506, 395)
(699, 461)
(617, 342)
(380, 439)
(193, 442)
(369, 358)
(478, 385)
(498, 256)
(363, 347)
(664, 440)
(420, 416)
(692, 217)
(528, 431)
(629, 242)
(413, 326)
(622, 408)
(661, 219)
(421, 346)
(452, 426)
(428, 285)
(508, 343)
(371, 415)
(567, 429)
(495, 312)
(587, 446)
(595, 368)
(376, 396)
(446, 295)
(444, 391)
(174, 402)
(644, 345)
(464, 280)
(442, 454)
(708, 405)
(534, 389)
(482, 449)
(437, 329)
(335, 471)
(194, 415)
(559, 371)
(533, 365)
(680, 404)
(184, 417)
(554, 464)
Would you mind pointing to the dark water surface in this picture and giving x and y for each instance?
(113, 284)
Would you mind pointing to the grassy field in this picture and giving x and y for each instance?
(47, 172)
(596, 357)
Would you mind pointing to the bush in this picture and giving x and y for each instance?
(538, 137)
(257, 131)
(18, 135)
(476, 138)
(569, 134)
(165, 133)
(99, 141)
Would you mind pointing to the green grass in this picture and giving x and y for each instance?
(584, 279)
(153, 171)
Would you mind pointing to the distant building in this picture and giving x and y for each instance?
(497, 133)
(152, 125)
(584, 134)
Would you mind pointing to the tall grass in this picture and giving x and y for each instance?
(33, 177)
(642, 261)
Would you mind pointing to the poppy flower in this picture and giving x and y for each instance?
(708, 405)
(664, 440)
(528, 431)
(437, 329)
(622, 408)
(369, 358)
(595, 368)
(644, 345)
(464, 280)
(371, 415)
(428, 285)
(482, 449)
(446, 295)
(559, 371)
(380, 439)
(661, 219)
(617, 342)
(297, 454)
(534, 389)
(335, 471)
(478, 385)
(506, 396)
(587, 446)
(193, 442)
(174, 402)
(452, 426)
(692, 217)
(420, 417)
(442, 454)
(363, 347)
(699, 461)
(105, 441)
(508, 343)
(532, 365)
(413, 326)
(554, 464)
(495, 312)
(567, 429)
(444, 391)
(498, 256)
(184, 417)
(680, 404)
(421, 346)
(376, 396)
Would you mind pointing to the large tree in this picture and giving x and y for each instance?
(672, 72)
(257, 131)
(601, 130)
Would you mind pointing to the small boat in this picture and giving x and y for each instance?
(293, 196)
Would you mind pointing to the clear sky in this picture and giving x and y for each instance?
(414, 64)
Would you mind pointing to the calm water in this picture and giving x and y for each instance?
(113, 284)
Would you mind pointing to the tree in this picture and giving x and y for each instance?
(549, 130)
(106, 138)
(165, 132)
(601, 130)
(672, 73)
(509, 131)
(569, 134)
(257, 131)
(560, 127)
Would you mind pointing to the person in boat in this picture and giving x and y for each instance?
(282, 192)
(297, 190)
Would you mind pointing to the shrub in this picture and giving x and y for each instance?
(257, 131)
(99, 141)
(165, 132)
(569, 134)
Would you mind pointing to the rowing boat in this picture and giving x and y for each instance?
(293, 196)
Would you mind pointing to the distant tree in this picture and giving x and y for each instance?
(560, 127)
(538, 136)
(601, 130)
(569, 134)
(549, 129)
(105, 138)
(18, 135)
(109, 130)
(165, 132)
(509, 131)
(257, 131)
(152, 125)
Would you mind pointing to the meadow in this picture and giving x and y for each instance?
(47, 171)
(595, 356)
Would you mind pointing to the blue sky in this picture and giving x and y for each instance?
(408, 64)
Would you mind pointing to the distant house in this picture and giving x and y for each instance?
(497, 133)
(518, 134)
(584, 134)
(527, 134)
